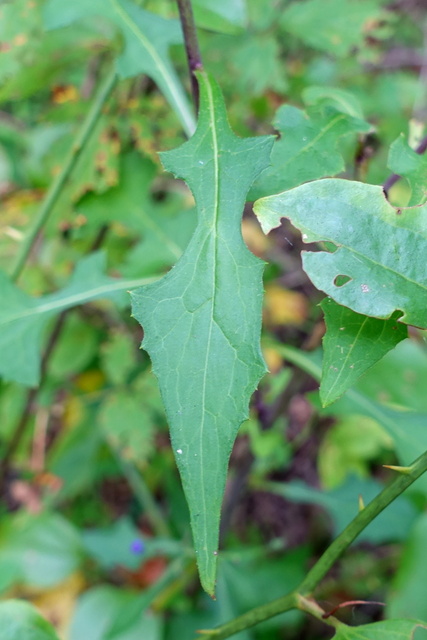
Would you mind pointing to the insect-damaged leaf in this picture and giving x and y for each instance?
(202, 320)
(379, 265)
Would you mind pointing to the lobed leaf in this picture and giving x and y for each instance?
(351, 345)
(307, 147)
(202, 320)
(147, 38)
(378, 267)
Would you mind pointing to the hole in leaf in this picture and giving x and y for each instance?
(341, 280)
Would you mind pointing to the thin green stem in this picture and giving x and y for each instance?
(361, 521)
(144, 496)
(297, 599)
(253, 617)
(60, 181)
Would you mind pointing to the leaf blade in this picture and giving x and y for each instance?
(361, 341)
(203, 317)
(383, 261)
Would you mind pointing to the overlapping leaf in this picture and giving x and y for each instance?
(407, 163)
(202, 320)
(378, 267)
(23, 318)
(352, 344)
(147, 38)
(307, 148)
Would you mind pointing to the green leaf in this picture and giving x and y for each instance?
(225, 16)
(101, 608)
(21, 621)
(351, 345)
(411, 165)
(165, 232)
(127, 424)
(408, 595)
(31, 58)
(343, 101)
(342, 504)
(114, 546)
(39, 550)
(147, 38)
(24, 318)
(202, 320)
(387, 630)
(399, 378)
(349, 447)
(247, 580)
(335, 26)
(407, 428)
(307, 148)
(118, 357)
(378, 267)
(66, 360)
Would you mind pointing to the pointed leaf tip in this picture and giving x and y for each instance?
(202, 321)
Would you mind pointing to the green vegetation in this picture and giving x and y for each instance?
(257, 469)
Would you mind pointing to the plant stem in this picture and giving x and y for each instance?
(422, 147)
(361, 521)
(297, 598)
(60, 181)
(144, 497)
(28, 408)
(253, 617)
(191, 46)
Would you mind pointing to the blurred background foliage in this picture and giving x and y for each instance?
(94, 527)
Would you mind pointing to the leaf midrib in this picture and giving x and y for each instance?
(346, 360)
(215, 212)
